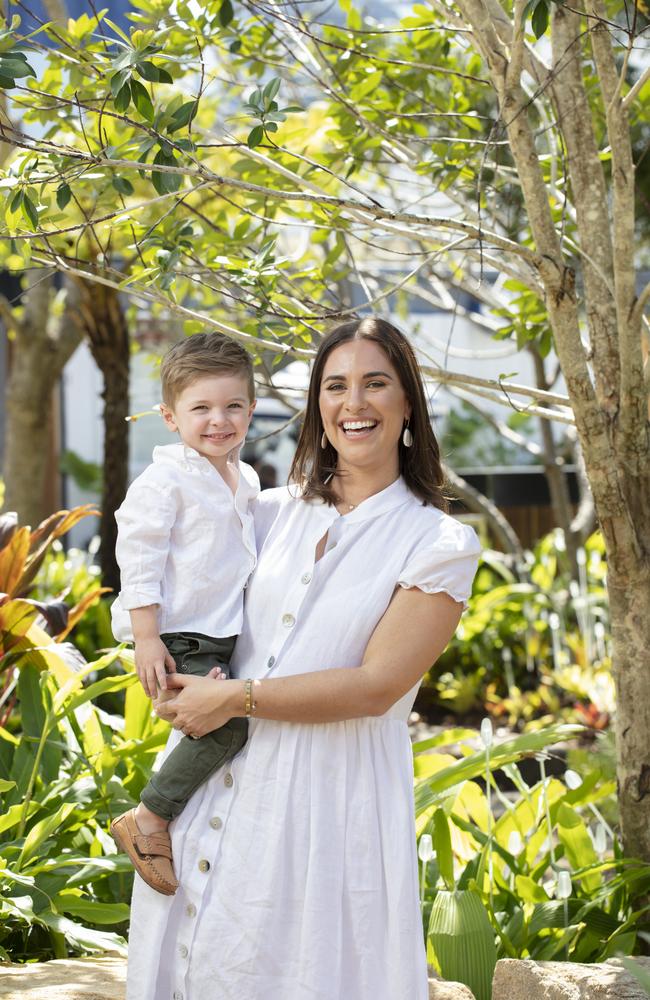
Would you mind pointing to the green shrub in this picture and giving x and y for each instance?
(540, 876)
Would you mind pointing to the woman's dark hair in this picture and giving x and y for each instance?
(313, 466)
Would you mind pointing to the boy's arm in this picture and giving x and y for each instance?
(144, 526)
(151, 654)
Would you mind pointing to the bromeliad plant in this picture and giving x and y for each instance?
(67, 765)
(530, 878)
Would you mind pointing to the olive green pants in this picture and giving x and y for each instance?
(191, 762)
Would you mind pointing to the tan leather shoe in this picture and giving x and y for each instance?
(151, 853)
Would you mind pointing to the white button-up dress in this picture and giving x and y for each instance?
(297, 861)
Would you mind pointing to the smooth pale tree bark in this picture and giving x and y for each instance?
(41, 345)
(605, 384)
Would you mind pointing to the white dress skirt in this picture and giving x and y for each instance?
(297, 862)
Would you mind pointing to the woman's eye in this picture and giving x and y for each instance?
(335, 387)
(376, 385)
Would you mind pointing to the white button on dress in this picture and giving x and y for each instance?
(313, 884)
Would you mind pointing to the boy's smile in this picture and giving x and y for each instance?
(212, 415)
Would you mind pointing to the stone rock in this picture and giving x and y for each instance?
(439, 989)
(69, 979)
(525, 980)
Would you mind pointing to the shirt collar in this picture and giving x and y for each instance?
(182, 454)
(379, 503)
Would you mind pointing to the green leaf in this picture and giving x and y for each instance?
(367, 85)
(462, 940)
(123, 185)
(165, 183)
(577, 843)
(529, 891)
(442, 845)
(29, 211)
(142, 100)
(123, 98)
(183, 115)
(155, 74)
(429, 789)
(119, 79)
(90, 910)
(42, 830)
(118, 31)
(14, 65)
(16, 201)
(83, 937)
(63, 195)
(226, 13)
(539, 20)
(255, 136)
(5, 785)
(271, 89)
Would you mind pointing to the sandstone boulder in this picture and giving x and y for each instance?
(525, 980)
(69, 979)
(441, 990)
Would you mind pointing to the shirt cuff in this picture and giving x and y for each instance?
(139, 597)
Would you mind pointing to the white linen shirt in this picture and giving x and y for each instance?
(185, 543)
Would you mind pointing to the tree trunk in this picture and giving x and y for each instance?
(555, 475)
(105, 326)
(628, 572)
(41, 347)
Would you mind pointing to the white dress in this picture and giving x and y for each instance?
(297, 862)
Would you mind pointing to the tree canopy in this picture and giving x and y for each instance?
(266, 169)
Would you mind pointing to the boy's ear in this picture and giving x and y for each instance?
(168, 417)
(251, 408)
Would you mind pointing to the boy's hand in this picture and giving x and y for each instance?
(151, 659)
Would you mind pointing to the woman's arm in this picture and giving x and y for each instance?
(410, 637)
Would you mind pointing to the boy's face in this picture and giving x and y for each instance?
(212, 415)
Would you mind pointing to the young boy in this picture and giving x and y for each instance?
(186, 548)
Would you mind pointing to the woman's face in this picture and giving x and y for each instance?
(362, 405)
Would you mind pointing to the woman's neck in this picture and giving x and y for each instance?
(353, 486)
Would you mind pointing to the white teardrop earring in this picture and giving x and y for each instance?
(323, 441)
(407, 437)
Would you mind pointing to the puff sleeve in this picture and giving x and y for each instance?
(447, 563)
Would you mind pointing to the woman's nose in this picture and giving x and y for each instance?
(355, 398)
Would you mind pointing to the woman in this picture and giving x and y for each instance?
(297, 864)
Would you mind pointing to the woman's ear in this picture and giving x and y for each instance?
(168, 417)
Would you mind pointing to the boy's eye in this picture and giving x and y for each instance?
(200, 407)
(234, 406)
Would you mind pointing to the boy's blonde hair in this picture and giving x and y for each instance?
(199, 355)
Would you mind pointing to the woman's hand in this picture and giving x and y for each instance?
(198, 705)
